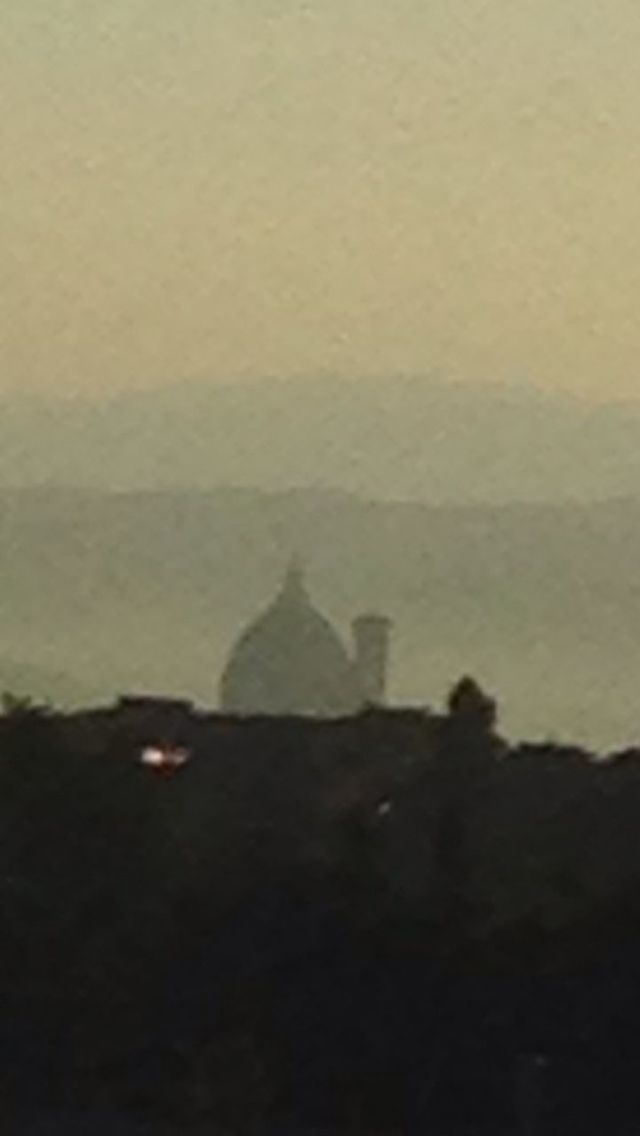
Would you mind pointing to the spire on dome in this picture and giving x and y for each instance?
(294, 584)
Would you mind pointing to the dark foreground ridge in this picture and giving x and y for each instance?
(389, 923)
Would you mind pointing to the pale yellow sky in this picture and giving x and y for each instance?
(218, 188)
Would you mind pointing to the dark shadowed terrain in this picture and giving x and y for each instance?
(392, 923)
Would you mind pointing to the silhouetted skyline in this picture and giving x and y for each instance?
(103, 593)
(358, 281)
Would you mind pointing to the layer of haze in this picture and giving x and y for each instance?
(246, 187)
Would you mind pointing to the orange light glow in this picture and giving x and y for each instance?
(164, 757)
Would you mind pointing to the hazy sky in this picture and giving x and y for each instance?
(223, 187)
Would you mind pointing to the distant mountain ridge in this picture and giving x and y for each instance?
(397, 439)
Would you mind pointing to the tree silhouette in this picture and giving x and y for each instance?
(469, 706)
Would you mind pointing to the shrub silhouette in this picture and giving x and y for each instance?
(469, 706)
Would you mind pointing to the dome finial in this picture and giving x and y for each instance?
(294, 585)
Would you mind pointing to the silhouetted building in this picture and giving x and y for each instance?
(290, 660)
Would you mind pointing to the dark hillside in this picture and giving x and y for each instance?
(383, 917)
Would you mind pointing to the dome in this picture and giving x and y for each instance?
(290, 661)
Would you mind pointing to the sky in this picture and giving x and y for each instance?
(218, 189)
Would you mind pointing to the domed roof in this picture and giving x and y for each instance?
(290, 661)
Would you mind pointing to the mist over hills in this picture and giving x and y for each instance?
(110, 592)
(394, 439)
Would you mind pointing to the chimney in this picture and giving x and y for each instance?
(371, 641)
